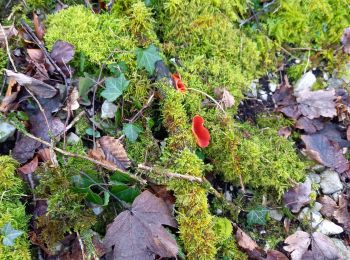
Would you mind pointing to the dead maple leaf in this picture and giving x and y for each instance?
(325, 151)
(314, 104)
(114, 152)
(39, 88)
(328, 206)
(285, 101)
(297, 197)
(322, 247)
(138, 233)
(342, 214)
(345, 40)
(30, 167)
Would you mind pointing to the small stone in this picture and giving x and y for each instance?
(330, 182)
(318, 168)
(6, 131)
(272, 87)
(305, 83)
(228, 196)
(253, 90)
(297, 61)
(309, 215)
(72, 138)
(313, 178)
(328, 228)
(325, 76)
(344, 251)
(274, 214)
(108, 110)
(97, 210)
(231, 188)
(264, 97)
(218, 211)
(317, 207)
(335, 83)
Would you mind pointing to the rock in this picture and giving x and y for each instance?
(272, 87)
(264, 97)
(314, 217)
(318, 168)
(317, 207)
(328, 228)
(335, 83)
(218, 211)
(6, 131)
(108, 110)
(305, 83)
(325, 76)
(253, 90)
(344, 251)
(330, 182)
(72, 138)
(275, 214)
(335, 195)
(313, 178)
(228, 196)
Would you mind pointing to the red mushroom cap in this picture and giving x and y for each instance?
(200, 132)
(179, 85)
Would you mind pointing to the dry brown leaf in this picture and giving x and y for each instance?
(62, 52)
(297, 244)
(314, 104)
(247, 244)
(328, 206)
(38, 27)
(30, 167)
(38, 87)
(297, 197)
(9, 32)
(342, 214)
(310, 126)
(10, 96)
(285, 101)
(45, 154)
(36, 55)
(275, 255)
(325, 151)
(114, 152)
(138, 233)
(285, 132)
(72, 102)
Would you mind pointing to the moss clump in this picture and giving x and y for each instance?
(3, 62)
(267, 161)
(66, 210)
(12, 210)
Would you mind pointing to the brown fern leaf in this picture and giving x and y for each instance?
(114, 152)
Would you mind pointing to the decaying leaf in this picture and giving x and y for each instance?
(342, 214)
(314, 104)
(38, 27)
(328, 206)
(224, 97)
(9, 32)
(39, 88)
(247, 244)
(310, 126)
(285, 132)
(297, 197)
(62, 52)
(72, 102)
(322, 247)
(138, 233)
(345, 40)
(114, 152)
(7, 102)
(36, 55)
(275, 255)
(29, 167)
(285, 101)
(325, 151)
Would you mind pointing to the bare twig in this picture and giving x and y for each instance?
(75, 120)
(208, 96)
(7, 47)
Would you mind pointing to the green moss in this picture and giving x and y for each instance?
(3, 62)
(40, 4)
(267, 161)
(12, 210)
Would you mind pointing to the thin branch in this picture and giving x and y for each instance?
(208, 96)
(8, 48)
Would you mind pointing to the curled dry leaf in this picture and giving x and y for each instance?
(30, 167)
(62, 52)
(39, 88)
(72, 102)
(138, 233)
(325, 151)
(224, 97)
(328, 206)
(310, 126)
(179, 85)
(322, 247)
(297, 197)
(247, 244)
(285, 101)
(345, 40)
(38, 27)
(36, 55)
(200, 132)
(114, 152)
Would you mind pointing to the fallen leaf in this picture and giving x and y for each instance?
(310, 126)
(224, 97)
(36, 55)
(322, 247)
(257, 216)
(285, 132)
(38, 27)
(72, 101)
(345, 40)
(38, 87)
(275, 255)
(138, 233)
(44, 154)
(348, 133)
(30, 167)
(131, 131)
(326, 152)
(9, 234)
(114, 152)
(200, 132)
(342, 214)
(297, 197)
(114, 87)
(7, 102)
(179, 85)
(147, 58)
(247, 244)
(314, 104)
(328, 206)
(62, 52)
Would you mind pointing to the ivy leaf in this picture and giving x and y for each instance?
(147, 58)
(115, 87)
(257, 216)
(131, 132)
(10, 234)
(121, 187)
(85, 85)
